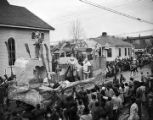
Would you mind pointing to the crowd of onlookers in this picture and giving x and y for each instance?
(103, 102)
(126, 64)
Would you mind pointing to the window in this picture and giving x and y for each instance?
(125, 51)
(100, 51)
(42, 35)
(128, 51)
(109, 52)
(11, 51)
(119, 52)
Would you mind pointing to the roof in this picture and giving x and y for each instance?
(111, 40)
(20, 17)
(139, 46)
(142, 44)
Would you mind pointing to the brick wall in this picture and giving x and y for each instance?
(21, 36)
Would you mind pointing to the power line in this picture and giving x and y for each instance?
(116, 12)
(131, 2)
(142, 31)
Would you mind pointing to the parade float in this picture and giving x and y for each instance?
(36, 84)
(33, 87)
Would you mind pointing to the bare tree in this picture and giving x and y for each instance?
(76, 30)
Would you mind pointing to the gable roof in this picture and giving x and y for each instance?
(111, 40)
(20, 17)
(142, 44)
(139, 46)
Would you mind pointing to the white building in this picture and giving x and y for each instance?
(17, 28)
(112, 47)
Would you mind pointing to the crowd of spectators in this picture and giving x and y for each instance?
(119, 65)
(103, 102)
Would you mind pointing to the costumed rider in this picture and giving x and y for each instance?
(86, 68)
(42, 75)
(72, 61)
(71, 74)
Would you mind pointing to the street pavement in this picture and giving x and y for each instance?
(127, 74)
(137, 77)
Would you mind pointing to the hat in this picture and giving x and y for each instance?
(103, 88)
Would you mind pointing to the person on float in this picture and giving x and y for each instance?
(72, 69)
(86, 69)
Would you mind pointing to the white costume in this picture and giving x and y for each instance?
(86, 64)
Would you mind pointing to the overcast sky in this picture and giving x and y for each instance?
(61, 13)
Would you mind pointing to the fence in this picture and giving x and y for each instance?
(99, 63)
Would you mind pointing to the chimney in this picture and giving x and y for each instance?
(104, 34)
(4, 2)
